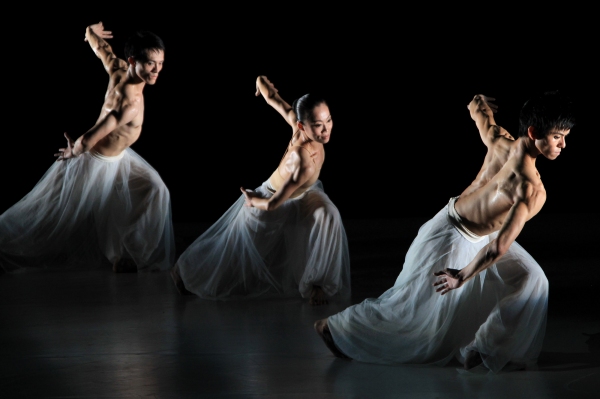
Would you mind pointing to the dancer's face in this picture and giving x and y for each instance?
(148, 69)
(552, 143)
(318, 127)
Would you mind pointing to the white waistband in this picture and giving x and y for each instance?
(104, 158)
(456, 220)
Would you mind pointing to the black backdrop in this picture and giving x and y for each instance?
(398, 83)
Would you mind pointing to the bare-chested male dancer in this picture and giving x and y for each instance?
(102, 202)
(492, 308)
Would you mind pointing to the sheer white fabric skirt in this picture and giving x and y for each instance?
(250, 253)
(87, 212)
(501, 312)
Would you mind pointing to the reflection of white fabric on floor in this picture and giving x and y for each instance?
(88, 211)
(501, 312)
(252, 253)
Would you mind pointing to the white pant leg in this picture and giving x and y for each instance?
(515, 328)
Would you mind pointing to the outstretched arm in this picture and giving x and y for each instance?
(95, 35)
(272, 97)
(519, 213)
(482, 111)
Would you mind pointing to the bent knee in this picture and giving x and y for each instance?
(542, 280)
(318, 206)
(326, 212)
(156, 185)
(537, 278)
(153, 188)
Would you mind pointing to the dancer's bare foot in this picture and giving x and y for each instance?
(317, 296)
(323, 330)
(472, 360)
(124, 265)
(179, 282)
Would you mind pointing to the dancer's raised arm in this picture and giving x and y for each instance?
(482, 111)
(272, 97)
(95, 35)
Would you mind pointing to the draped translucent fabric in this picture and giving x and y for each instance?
(250, 253)
(501, 312)
(88, 211)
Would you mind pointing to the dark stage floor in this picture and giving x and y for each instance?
(96, 334)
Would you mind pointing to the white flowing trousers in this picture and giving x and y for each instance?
(501, 312)
(250, 253)
(88, 211)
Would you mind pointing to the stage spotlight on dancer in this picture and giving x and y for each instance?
(286, 237)
(467, 289)
(100, 203)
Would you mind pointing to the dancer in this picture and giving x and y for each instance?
(286, 237)
(467, 288)
(100, 202)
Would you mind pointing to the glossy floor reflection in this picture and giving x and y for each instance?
(96, 334)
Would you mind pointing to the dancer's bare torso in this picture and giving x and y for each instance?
(286, 167)
(120, 92)
(507, 176)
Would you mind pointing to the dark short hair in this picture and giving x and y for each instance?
(138, 45)
(547, 111)
(304, 105)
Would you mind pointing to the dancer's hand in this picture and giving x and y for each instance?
(485, 100)
(98, 29)
(267, 82)
(248, 196)
(448, 280)
(66, 153)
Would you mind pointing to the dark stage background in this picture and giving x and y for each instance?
(397, 82)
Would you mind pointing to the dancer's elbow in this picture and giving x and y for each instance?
(496, 250)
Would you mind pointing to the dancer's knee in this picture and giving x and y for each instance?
(155, 188)
(536, 279)
(537, 275)
(542, 282)
(326, 212)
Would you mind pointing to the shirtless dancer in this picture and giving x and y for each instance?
(284, 238)
(493, 302)
(101, 198)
